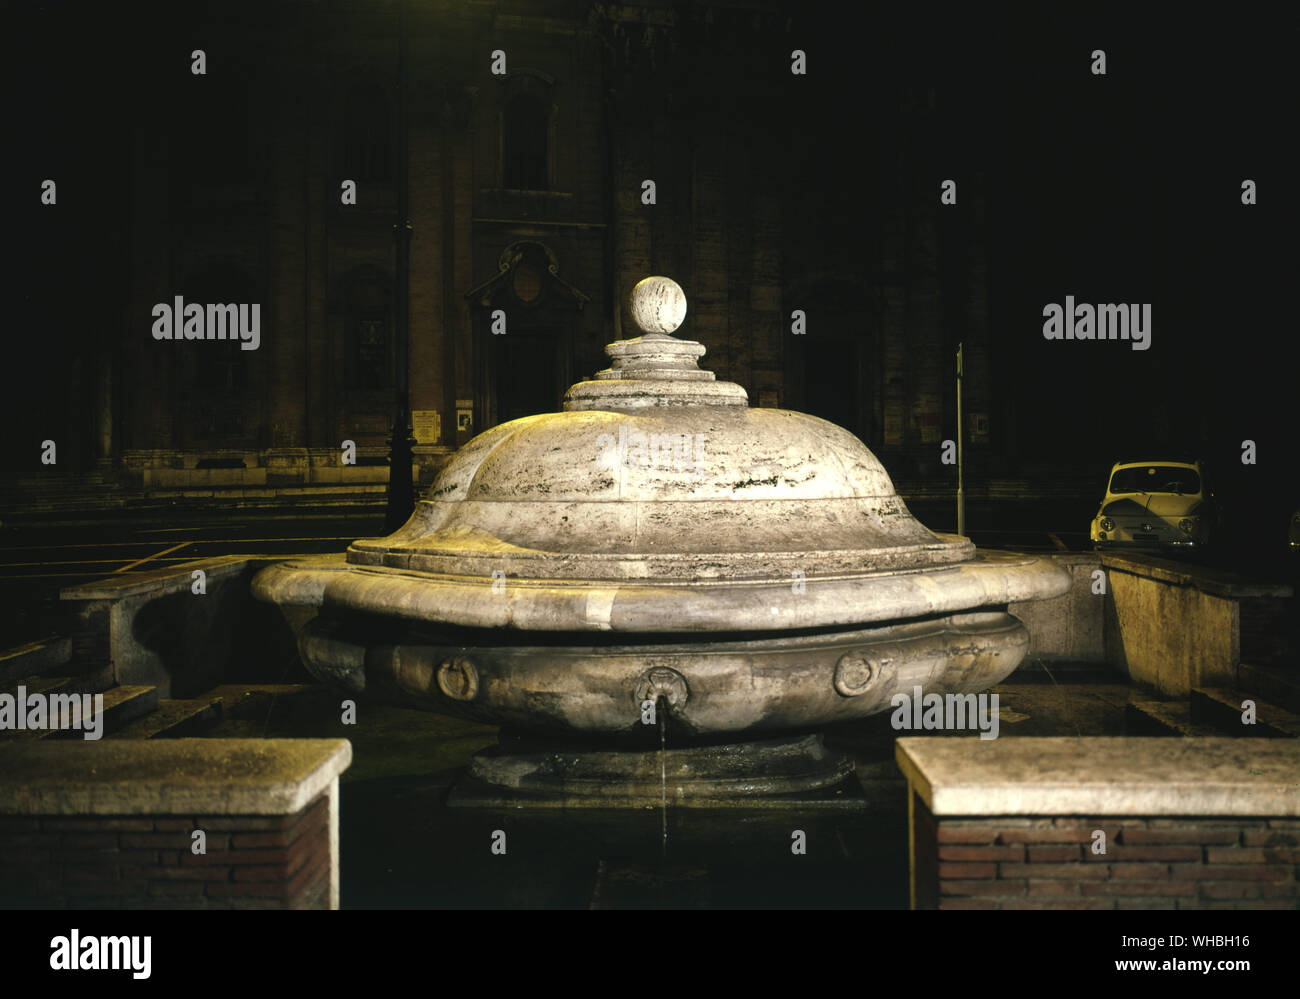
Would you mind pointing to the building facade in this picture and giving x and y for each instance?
(552, 160)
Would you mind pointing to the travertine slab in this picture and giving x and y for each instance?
(169, 776)
(1103, 776)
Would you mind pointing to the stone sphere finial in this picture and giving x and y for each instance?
(658, 305)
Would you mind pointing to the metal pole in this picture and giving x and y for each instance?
(401, 498)
(961, 491)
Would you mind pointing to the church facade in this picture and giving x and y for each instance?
(552, 160)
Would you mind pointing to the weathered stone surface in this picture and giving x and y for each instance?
(1219, 582)
(1146, 593)
(991, 580)
(764, 571)
(157, 631)
(658, 304)
(713, 685)
(1069, 627)
(683, 777)
(171, 776)
(1103, 776)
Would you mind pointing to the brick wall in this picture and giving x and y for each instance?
(1150, 863)
(141, 861)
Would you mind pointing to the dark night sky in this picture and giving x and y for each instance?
(1119, 188)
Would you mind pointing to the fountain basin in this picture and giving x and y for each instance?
(590, 682)
(659, 554)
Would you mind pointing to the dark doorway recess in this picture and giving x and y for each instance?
(527, 371)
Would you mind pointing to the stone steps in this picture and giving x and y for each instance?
(41, 657)
(174, 719)
(1164, 718)
(53, 658)
(1221, 707)
(225, 711)
(249, 709)
(130, 712)
(43, 504)
(1277, 683)
(120, 706)
(137, 712)
(49, 667)
(94, 681)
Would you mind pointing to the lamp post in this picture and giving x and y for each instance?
(400, 496)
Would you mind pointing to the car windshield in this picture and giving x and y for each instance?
(1155, 479)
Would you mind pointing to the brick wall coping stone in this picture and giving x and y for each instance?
(160, 581)
(1216, 582)
(1103, 775)
(168, 776)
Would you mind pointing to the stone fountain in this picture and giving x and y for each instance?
(660, 592)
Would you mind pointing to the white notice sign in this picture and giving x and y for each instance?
(426, 424)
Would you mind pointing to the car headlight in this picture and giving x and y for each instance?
(1187, 526)
(1107, 524)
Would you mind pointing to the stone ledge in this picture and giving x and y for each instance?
(1103, 776)
(164, 579)
(166, 777)
(1216, 582)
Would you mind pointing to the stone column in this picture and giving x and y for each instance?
(284, 315)
(457, 163)
(152, 362)
(428, 348)
(893, 325)
(925, 343)
(769, 326)
(738, 266)
(321, 187)
(707, 322)
(976, 390)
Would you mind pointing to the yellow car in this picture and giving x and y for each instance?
(1155, 505)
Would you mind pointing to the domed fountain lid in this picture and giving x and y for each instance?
(659, 501)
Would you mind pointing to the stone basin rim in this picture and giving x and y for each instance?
(655, 606)
(602, 568)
